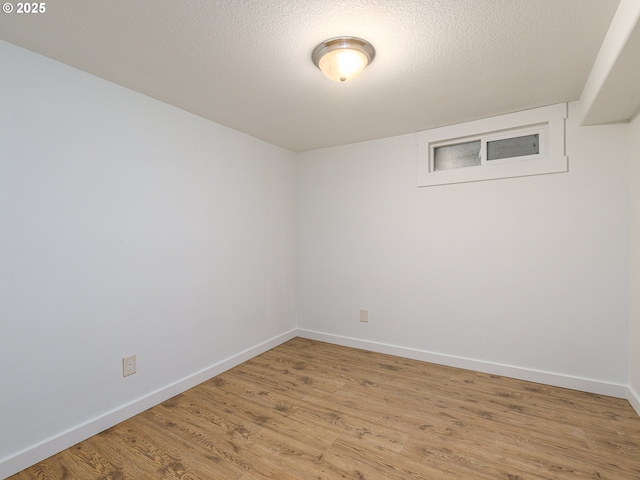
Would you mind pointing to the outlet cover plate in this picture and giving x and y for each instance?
(129, 366)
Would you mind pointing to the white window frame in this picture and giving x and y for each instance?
(548, 122)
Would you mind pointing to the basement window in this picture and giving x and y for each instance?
(514, 145)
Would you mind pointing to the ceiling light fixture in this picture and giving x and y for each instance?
(343, 58)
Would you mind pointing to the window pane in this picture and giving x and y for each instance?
(513, 147)
(456, 156)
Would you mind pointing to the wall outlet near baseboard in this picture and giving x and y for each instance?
(129, 366)
(364, 315)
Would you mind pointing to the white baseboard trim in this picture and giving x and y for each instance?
(537, 376)
(51, 446)
(634, 399)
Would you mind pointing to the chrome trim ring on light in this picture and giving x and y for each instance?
(338, 43)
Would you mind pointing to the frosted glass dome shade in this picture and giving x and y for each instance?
(343, 58)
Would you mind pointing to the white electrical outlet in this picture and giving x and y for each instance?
(364, 315)
(129, 366)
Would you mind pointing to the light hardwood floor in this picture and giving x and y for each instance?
(311, 410)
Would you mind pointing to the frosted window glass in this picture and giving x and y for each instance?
(456, 156)
(513, 147)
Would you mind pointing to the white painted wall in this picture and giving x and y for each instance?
(127, 226)
(527, 273)
(634, 243)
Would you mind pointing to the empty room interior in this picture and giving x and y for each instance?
(190, 199)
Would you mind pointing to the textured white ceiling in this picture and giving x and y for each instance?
(247, 64)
